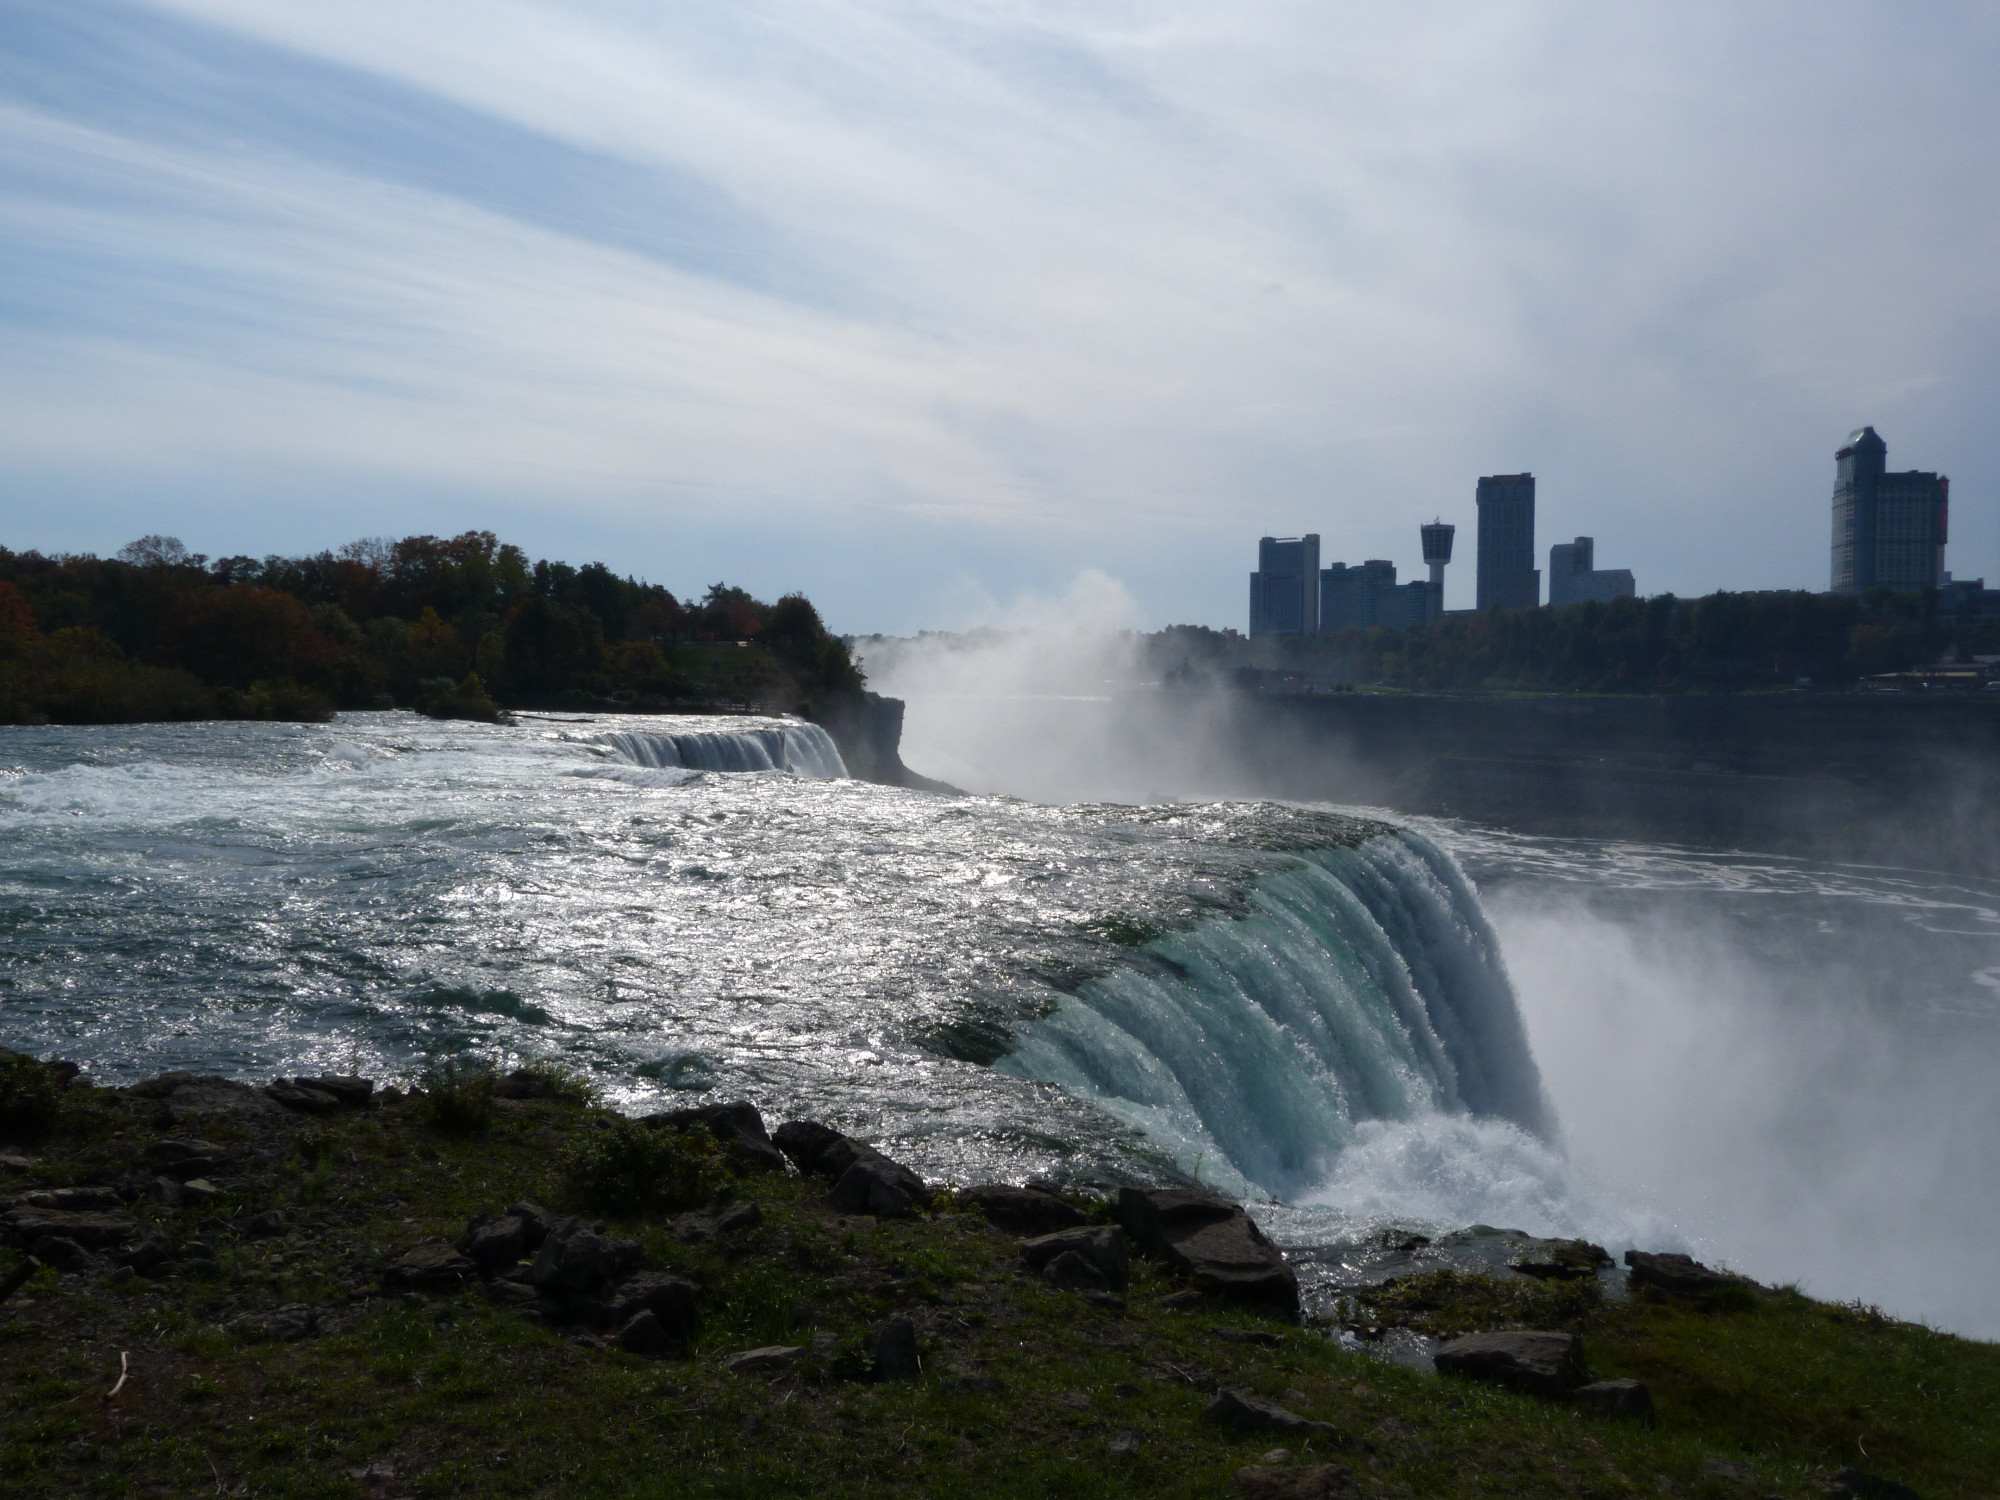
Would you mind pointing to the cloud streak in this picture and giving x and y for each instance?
(861, 295)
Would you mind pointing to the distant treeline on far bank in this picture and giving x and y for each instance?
(462, 626)
(1721, 642)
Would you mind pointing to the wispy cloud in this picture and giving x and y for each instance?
(994, 290)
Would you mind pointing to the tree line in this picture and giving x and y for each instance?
(463, 626)
(1720, 642)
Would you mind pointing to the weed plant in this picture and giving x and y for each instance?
(628, 1167)
(30, 1099)
(458, 1094)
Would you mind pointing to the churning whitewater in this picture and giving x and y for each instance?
(1240, 993)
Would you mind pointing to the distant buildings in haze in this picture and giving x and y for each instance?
(1367, 594)
(1572, 579)
(1888, 529)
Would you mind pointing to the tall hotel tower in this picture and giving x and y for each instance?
(1284, 591)
(1888, 529)
(1508, 578)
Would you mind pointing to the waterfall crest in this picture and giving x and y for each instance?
(802, 749)
(1364, 983)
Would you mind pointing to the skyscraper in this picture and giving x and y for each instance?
(1284, 591)
(1508, 578)
(1888, 529)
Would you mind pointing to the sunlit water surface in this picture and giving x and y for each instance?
(1784, 1066)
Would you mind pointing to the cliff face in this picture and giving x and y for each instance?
(869, 731)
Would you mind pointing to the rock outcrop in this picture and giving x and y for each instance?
(1213, 1241)
(1021, 1210)
(865, 1181)
(1244, 1412)
(1102, 1250)
(737, 1125)
(1681, 1275)
(1540, 1363)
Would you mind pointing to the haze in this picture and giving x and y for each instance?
(920, 307)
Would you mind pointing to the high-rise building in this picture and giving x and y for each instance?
(1573, 579)
(1358, 597)
(1508, 578)
(1284, 591)
(1888, 529)
(1437, 552)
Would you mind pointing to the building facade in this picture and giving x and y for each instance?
(1889, 530)
(1285, 589)
(1366, 595)
(1574, 578)
(1508, 578)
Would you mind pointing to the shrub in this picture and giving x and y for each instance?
(441, 698)
(627, 1167)
(458, 1093)
(279, 699)
(30, 1098)
(545, 1078)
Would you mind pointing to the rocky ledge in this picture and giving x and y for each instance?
(322, 1286)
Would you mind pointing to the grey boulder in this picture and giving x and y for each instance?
(435, 1267)
(737, 1125)
(25, 1224)
(768, 1360)
(1680, 1275)
(645, 1334)
(1540, 1363)
(892, 1351)
(1070, 1272)
(493, 1244)
(1212, 1240)
(575, 1261)
(875, 1185)
(1240, 1411)
(1103, 1249)
(1022, 1210)
(670, 1300)
(302, 1098)
(64, 1255)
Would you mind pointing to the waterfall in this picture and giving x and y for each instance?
(803, 749)
(1362, 984)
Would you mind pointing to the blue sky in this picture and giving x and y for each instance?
(928, 309)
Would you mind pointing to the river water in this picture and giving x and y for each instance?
(1352, 1020)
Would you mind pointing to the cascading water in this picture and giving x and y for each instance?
(1362, 984)
(802, 749)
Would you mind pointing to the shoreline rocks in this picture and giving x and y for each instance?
(1538, 1362)
(1211, 1239)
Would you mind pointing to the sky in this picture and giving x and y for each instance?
(931, 309)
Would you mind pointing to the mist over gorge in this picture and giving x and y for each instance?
(1783, 1061)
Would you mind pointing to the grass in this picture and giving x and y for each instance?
(456, 1396)
(458, 1094)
